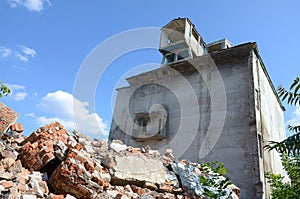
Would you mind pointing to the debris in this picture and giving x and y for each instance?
(51, 163)
(7, 117)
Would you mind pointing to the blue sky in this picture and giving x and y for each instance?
(43, 43)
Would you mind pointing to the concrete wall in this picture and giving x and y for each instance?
(246, 119)
(269, 120)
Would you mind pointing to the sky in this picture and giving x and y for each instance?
(45, 43)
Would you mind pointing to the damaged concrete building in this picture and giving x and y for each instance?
(207, 102)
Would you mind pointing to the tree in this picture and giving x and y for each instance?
(4, 90)
(291, 145)
(290, 151)
(286, 190)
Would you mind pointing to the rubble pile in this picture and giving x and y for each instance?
(52, 163)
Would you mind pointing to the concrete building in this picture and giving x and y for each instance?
(207, 102)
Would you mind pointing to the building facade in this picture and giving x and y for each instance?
(207, 102)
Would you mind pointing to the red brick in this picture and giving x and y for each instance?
(166, 188)
(17, 127)
(19, 140)
(83, 191)
(150, 185)
(138, 190)
(7, 117)
(89, 167)
(7, 184)
(39, 164)
(22, 187)
(54, 196)
(106, 185)
(47, 157)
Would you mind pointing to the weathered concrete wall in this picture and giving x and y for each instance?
(269, 121)
(238, 145)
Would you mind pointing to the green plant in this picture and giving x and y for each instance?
(291, 145)
(286, 190)
(292, 94)
(290, 151)
(4, 90)
(215, 183)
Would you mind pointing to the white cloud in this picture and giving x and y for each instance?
(23, 53)
(27, 51)
(60, 105)
(31, 5)
(18, 92)
(30, 114)
(20, 57)
(16, 87)
(295, 120)
(5, 52)
(18, 96)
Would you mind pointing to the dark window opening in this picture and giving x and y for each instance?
(170, 58)
(183, 54)
(260, 149)
(257, 98)
(142, 120)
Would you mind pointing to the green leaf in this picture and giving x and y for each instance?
(296, 81)
(297, 88)
(283, 98)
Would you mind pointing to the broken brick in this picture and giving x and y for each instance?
(17, 128)
(7, 117)
(7, 184)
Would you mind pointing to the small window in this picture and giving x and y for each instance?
(170, 58)
(257, 98)
(142, 119)
(260, 149)
(183, 54)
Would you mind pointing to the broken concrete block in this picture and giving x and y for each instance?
(144, 170)
(55, 196)
(16, 167)
(5, 175)
(112, 193)
(8, 154)
(6, 162)
(104, 196)
(89, 148)
(109, 161)
(7, 117)
(43, 187)
(27, 196)
(2, 146)
(2, 188)
(189, 178)
(68, 196)
(118, 146)
(13, 193)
